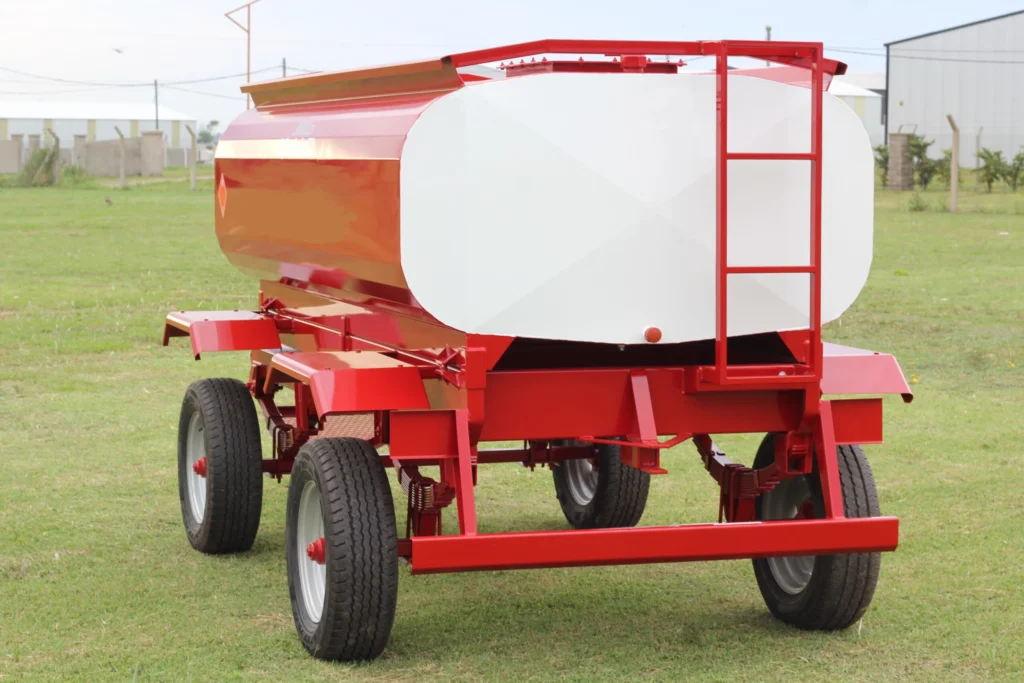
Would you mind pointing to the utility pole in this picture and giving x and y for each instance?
(248, 39)
(768, 36)
(156, 104)
(284, 68)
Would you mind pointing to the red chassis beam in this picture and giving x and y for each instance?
(535, 550)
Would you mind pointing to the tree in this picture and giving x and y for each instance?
(926, 169)
(882, 162)
(944, 166)
(208, 134)
(1014, 170)
(994, 168)
(924, 166)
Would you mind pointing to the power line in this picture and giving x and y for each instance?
(56, 92)
(114, 84)
(201, 92)
(99, 87)
(221, 78)
(73, 82)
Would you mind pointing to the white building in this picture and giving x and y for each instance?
(974, 72)
(96, 121)
(864, 101)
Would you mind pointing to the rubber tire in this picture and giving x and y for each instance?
(361, 590)
(234, 474)
(619, 500)
(841, 586)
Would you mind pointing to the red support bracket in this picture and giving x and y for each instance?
(644, 459)
(828, 462)
(645, 432)
(646, 429)
(465, 467)
(794, 453)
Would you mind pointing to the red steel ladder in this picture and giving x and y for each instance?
(810, 371)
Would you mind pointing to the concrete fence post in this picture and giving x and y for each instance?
(192, 161)
(954, 165)
(152, 153)
(121, 173)
(55, 155)
(78, 151)
(901, 166)
(19, 142)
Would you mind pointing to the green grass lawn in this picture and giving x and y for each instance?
(97, 580)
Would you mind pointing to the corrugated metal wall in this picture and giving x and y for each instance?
(975, 73)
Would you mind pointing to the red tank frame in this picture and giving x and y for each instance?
(433, 394)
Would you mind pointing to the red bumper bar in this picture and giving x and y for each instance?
(535, 550)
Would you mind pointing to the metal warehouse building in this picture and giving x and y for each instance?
(974, 72)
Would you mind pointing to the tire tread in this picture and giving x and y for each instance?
(842, 586)
(362, 541)
(234, 464)
(619, 501)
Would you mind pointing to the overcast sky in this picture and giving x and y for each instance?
(132, 41)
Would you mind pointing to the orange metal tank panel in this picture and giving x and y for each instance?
(311, 195)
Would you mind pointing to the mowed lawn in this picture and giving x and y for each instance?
(97, 580)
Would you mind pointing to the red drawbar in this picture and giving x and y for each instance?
(534, 550)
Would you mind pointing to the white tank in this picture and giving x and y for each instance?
(582, 207)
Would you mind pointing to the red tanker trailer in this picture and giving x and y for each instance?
(598, 256)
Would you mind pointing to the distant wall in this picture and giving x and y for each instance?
(99, 129)
(104, 158)
(10, 156)
(144, 155)
(177, 157)
(152, 153)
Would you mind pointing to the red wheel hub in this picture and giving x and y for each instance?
(199, 467)
(317, 551)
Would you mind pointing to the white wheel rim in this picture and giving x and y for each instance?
(581, 477)
(783, 502)
(312, 575)
(195, 450)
